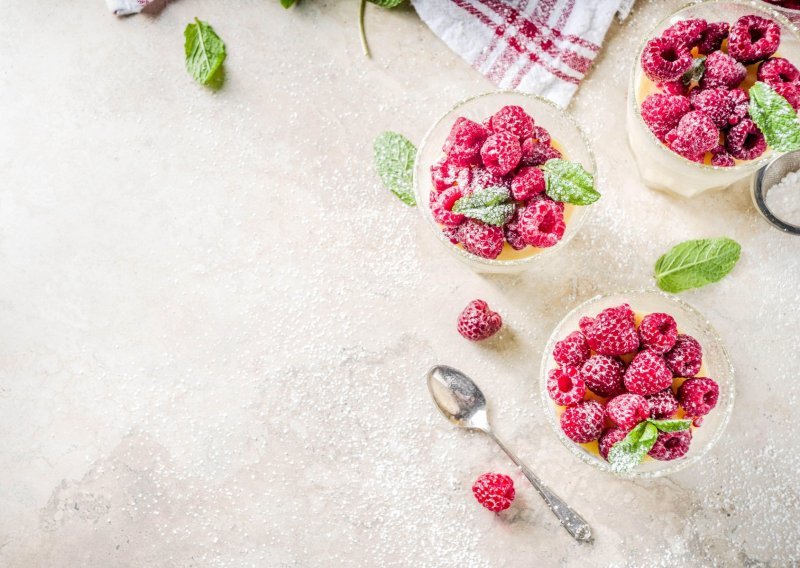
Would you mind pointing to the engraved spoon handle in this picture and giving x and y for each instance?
(570, 520)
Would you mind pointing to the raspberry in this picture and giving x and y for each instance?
(698, 396)
(444, 175)
(712, 38)
(777, 71)
(687, 33)
(658, 332)
(671, 445)
(715, 103)
(745, 141)
(665, 59)
(511, 232)
(501, 153)
(603, 375)
(451, 233)
(480, 239)
(527, 183)
(612, 332)
(463, 145)
(494, 491)
(647, 374)
(609, 437)
(686, 357)
(722, 70)
(663, 112)
(477, 322)
(583, 422)
(722, 158)
(790, 92)
(741, 105)
(674, 88)
(512, 119)
(442, 205)
(483, 179)
(753, 38)
(537, 153)
(565, 386)
(541, 135)
(541, 223)
(695, 135)
(627, 410)
(572, 351)
(663, 404)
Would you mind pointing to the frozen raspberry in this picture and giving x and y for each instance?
(603, 375)
(565, 386)
(608, 438)
(686, 357)
(494, 491)
(482, 179)
(687, 33)
(572, 351)
(647, 374)
(451, 233)
(753, 38)
(790, 92)
(480, 239)
(583, 422)
(745, 141)
(671, 445)
(722, 70)
(541, 135)
(716, 103)
(512, 119)
(627, 410)
(537, 153)
(501, 153)
(741, 105)
(463, 145)
(658, 332)
(674, 88)
(695, 135)
(665, 59)
(712, 38)
(612, 332)
(477, 322)
(442, 205)
(663, 112)
(722, 158)
(541, 223)
(444, 175)
(511, 232)
(698, 396)
(663, 404)
(777, 71)
(527, 183)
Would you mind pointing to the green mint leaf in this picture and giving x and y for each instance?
(775, 117)
(671, 425)
(288, 3)
(695, 72)
(693, 264)
(629, 452)
(394, 159)
(387, 3)
(569, 182)
(205, 51)
(490, 205)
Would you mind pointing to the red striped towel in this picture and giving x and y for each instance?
(536, 46)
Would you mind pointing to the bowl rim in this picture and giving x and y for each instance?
(594, 461)
(470, 258)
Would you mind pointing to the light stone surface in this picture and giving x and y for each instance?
(216, 322)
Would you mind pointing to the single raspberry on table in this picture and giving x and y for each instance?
(661, 113)
(722, 158)
(478, 322)
(528, 182)
(442, 205)
(494, 491)
(698, 396)
(537, 153)
(463, 144)
(663, 404)
(658, 332)
(695, 135)
(612, 332)
(501, 153)
(671, 445)
(790, 92)
(647, 374)
(572, 351)
(603, 375)
(608, 438)
(665, 59)
(716, 103)
(777, 71)
(713, 37)
(513, 119)
(745, 141)
(565, 386)
(687, 33)
(445, 175)
(627, 410)
(480, 239)
(753, 38)
(722, 70)
(541, 223)
(686, 357)
(583, 422)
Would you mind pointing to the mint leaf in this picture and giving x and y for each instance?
(671, 425)
(288, 3)
(394, 159)
(387, 3)
(205, 51)
(490, 205)
(569, 182)
(775, 117)
(695, 72)
(693, 264)
(629, 452)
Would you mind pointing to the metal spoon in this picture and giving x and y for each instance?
(463, 403)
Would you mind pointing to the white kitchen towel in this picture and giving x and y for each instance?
(535, 46)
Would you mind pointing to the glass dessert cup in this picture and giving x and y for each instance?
(661, 168)
(565, 133)
(792, 14)
(716, 365)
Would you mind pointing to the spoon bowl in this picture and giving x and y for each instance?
(458, 398)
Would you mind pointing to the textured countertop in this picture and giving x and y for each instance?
(216, 321)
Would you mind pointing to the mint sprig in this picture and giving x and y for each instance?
(629, 452)
(394, 156)
(695, 72)
(775, 117)
(492, 205)
(695, 263)
(205, 52)
(569, 182)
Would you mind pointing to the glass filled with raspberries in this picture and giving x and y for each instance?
(637, 383)
(789, 8)
(714, 94)
(504, 178)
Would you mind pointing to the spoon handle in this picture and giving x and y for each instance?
(570, 520)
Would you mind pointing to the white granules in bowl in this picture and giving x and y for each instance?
(783, 198)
